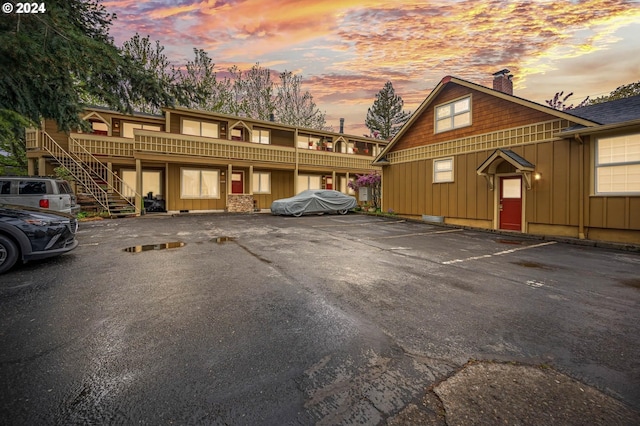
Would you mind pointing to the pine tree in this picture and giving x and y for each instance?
(386, 117)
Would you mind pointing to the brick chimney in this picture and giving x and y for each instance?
(342, 125)
(502, 82)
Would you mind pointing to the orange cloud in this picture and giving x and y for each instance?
(347, 50)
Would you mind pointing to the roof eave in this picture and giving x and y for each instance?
(601, 128)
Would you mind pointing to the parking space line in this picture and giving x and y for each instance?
(349, 223)
(500, 253)
(416, 234)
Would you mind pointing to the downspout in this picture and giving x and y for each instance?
(295, 169)
(581, 188)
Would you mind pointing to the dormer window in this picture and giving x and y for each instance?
(453, 115)
(237, 134)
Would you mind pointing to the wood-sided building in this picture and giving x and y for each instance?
(481, 157)
(189, 160)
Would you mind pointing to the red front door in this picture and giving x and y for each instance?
(237, 183)
(328, 183)
(511, 203)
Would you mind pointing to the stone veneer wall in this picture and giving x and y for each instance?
(240, 203)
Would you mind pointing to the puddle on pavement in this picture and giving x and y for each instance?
(630, 282)
(510, 242)
(149, 247)
(527, 264)
(222, 240)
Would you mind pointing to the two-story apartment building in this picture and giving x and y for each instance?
(189, 160)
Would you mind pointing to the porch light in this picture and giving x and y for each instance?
(537, 175)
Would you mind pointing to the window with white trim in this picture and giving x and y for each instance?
(309, 182)
(151, 182)
(443, 170)
(262, 136)
(261, 182)
(200, 128)
(618, 164)
(127, 128)
(453, 115)
(199, 183)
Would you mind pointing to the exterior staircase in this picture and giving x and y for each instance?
(110, 192)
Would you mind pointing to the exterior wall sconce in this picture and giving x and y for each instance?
(537, 175)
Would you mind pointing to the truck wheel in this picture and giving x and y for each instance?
(8, 254)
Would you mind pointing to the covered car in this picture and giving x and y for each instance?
(314, 201)
(29, 234)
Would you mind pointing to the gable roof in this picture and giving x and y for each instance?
(612, 112)
(501, 95)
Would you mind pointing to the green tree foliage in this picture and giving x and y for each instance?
(44, 56)
(51, 62)
(386, 117)
(621, 92)
(153, 82)
(13, 159)
(203, 90)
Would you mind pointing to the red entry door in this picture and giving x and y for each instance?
(511, 203)
(328, 183)
(237, 183)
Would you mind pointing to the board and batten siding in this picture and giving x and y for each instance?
(175, 203)
(281, 187)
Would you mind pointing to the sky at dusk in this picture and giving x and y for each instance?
(345, 50)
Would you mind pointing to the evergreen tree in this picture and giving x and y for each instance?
(51, 62)
(13, 158)
(386, 117)
(200, 82)
(155, 76)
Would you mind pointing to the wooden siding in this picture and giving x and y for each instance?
(488, 114)
(281, 187)
(175, 203)
(409, 187)
(59, 136)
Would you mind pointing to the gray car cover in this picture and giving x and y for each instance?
(313, 201)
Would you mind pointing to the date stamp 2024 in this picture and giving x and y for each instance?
(24, 8)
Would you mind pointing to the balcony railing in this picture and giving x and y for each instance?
(170, 143)
(102, 145)
(175, 144)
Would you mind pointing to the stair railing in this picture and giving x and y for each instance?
(76, 169)
(96, 167)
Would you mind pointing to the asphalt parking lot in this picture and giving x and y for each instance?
(258, 319)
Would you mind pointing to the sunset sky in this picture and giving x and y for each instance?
(345, 50)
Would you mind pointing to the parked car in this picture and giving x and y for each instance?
(314, 201)
(29, 234)
(39, 192)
